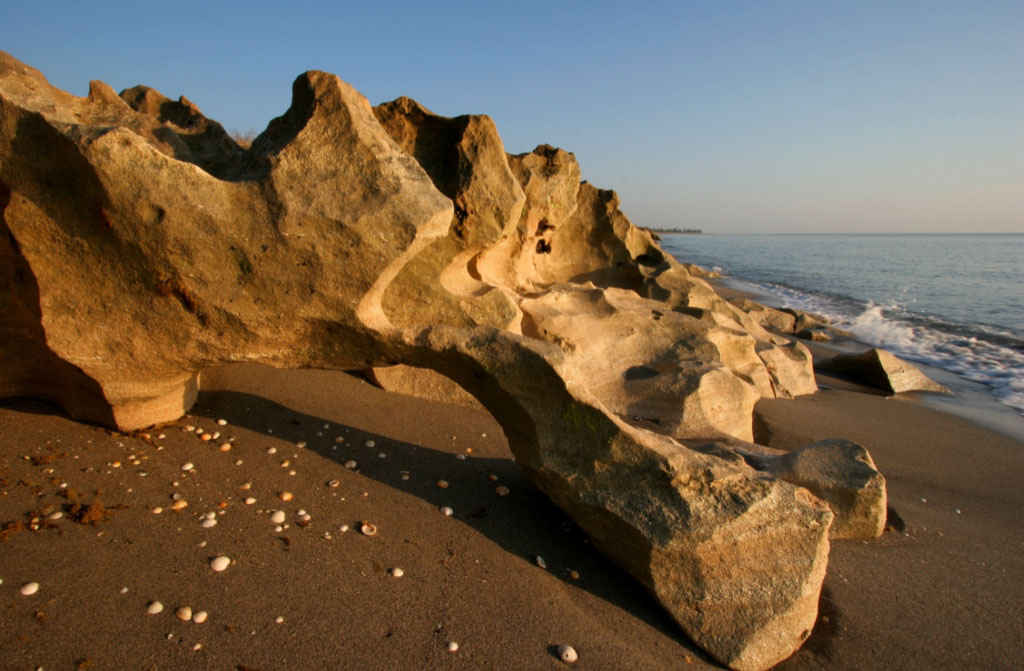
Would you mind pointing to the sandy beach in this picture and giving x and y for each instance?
(941, 588)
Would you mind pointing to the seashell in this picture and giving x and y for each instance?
(200, 617)
(279, 619)
(271, 450)
(277, 517)
(246, 485)
(368, 529)
(301, 444)
(575, 575)
(397, 572)
(224, 447)
(501, 490)
(205, 436)
(492, 477)
(286, 496)
(567, 654)
(56, 515)
(157, 510)
(460, 457)
(222, 422)
(381, 455)
(370, 443)
(187, 466)
(447, 511)
(215, 435)
(452, 646)
(238, 462)
(285, 464)
(190, 428)
(29, 588)
(184, 613)
(343, 528)
(404, 475)
(339, 439)
(333, 483)
(350, 464)
(249, 500)
(154, 607)
(220, 563)
(443, 484)
(540, 561)
(208, 522)
(180, 504)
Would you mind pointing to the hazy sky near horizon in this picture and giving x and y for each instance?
(733, 117)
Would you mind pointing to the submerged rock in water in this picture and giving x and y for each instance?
(351, 238)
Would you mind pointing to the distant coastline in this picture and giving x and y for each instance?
(675, 230)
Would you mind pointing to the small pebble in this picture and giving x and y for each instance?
(224, 447)
(370, 443)
(301, 444)
(187, 466)
(286, 496)
(56, 515)
(277, 517)
(200, 617)
(447, 511)
(443, 484)
(184, 613)
(540, 561)
(567, 654)
(350, 464)
(222, 422)
(208, 522)
(924, 500)
(397, 572)
(197, 646)
(180, 504)
(279, 619)
(154, 607)
(381, 455)
(220, 563)
(452, 646)
(124, 590)
(246, 485)
(501, 490)
(215, 435)
(271, 450)
(460, 457)
(339, 439)
(956, 510)
(343, 528)
(238, 462)
(492, 477)
(157, 510)
(249, 500)
(206, 436)
(575, 575)
(333, 483)
(29, 588)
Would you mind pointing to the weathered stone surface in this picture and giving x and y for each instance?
(422, 383)
(883, 370)
(130, 267)
(839, 472)
(791, 368)
(770, 318)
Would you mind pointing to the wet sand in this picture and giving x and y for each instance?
(942, 590)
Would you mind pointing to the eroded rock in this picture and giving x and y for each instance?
(884, 370)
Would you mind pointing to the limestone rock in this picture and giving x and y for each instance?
(791, 368)
(421, 383)
(883, 370)
(770, 318)
(129, 267)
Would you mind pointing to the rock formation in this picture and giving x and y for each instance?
(884, 370)
(140, 245)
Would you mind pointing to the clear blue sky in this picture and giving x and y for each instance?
(733, 117)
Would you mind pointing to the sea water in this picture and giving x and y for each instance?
(955, 302)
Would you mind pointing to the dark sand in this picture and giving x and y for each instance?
(944, 593)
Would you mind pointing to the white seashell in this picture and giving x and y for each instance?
(350, 464)
(447, 511)
(246, 485)
(460, 457)
(397, 572)
(443, 484)
(271, 450)
(279, 528)
(301, 444)
(501, 490)
(222, 422)
(370, 443)
(249, 500)
(567, 654)
(381, 455)
(208, 522)
(154, 607)
(333, 483)
(343, 528)
(184, 613)
(368, 529)
(56, 515)
(157, 510)
(215, 435)
(301, 513)
(540, 561)
(279, 619)
(200, 617)
(277, 517)
(124, 590)
(197, 646)
(190, 428)
(220, 563)
(187, 466)
(238, 462)
(452, 646)
(29, 588)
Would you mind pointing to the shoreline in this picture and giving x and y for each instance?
(473, 577)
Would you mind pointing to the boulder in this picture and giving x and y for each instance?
(791, 368)
(884, 370)
(770, 318)
(129, 266)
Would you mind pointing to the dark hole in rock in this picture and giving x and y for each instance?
(639, 373)
(543, 247)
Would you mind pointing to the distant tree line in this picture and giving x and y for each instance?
(675, 230)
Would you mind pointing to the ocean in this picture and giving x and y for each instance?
(954, 302)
